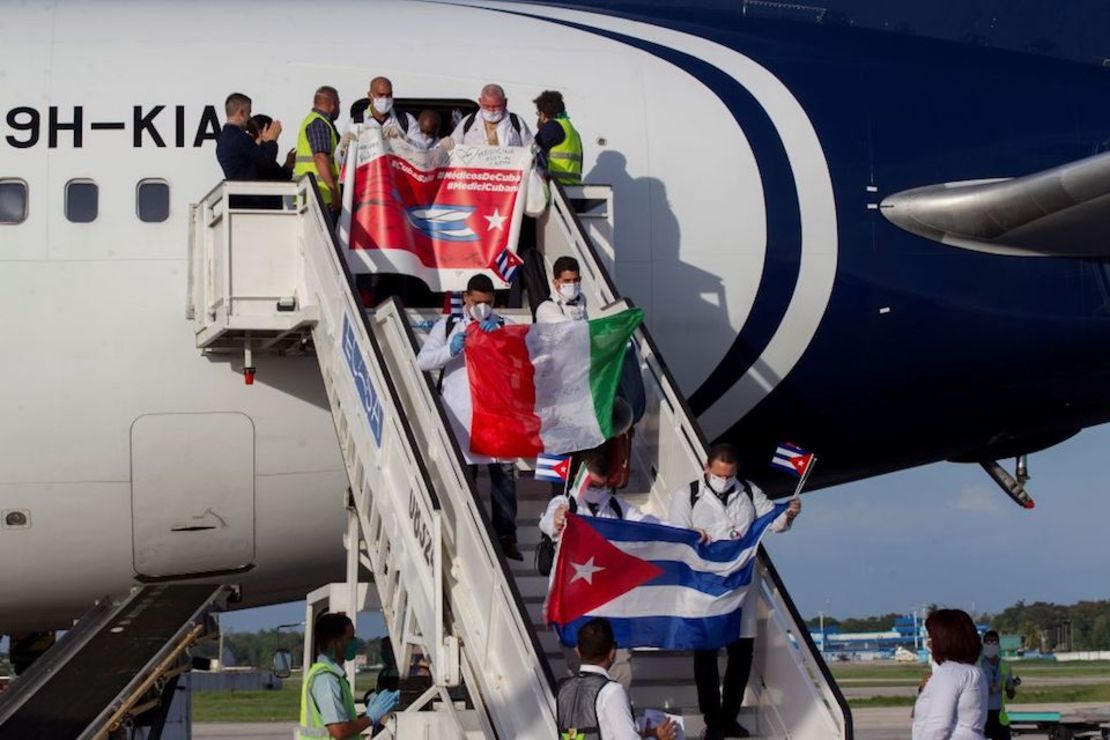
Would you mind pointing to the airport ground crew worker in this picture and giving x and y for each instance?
(493, 124)
(1000, 680)
(722, 506)
(590, 704)
(443, 350)
(558, 139)
(316, 144)
(599, 500)
(327, 704)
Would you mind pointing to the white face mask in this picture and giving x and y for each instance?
(991, 651)
(719, 484)
(492, 116)
(594, 495)
(383, 105)
(481, 311)
(569, 291)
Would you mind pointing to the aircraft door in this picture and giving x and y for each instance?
(192, 494)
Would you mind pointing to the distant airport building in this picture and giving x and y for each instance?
(905, 640)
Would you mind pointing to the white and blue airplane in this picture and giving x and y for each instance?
(890, 250)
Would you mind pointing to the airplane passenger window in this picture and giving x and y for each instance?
(82, 201)
(152, 201)
(13, 201)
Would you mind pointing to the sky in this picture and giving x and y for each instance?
(941, 534)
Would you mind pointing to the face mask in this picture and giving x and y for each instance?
(719, 484)
(492, 116)
(991, 651)
(383, 105)
(481, 311)
(350, 649)
(594, 495)
(569, 291)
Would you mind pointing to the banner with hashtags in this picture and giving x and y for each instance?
(439, 215)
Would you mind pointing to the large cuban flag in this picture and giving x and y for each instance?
(656, 584)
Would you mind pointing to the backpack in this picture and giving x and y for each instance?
(545, 551)
(695, 489)
(468, 123)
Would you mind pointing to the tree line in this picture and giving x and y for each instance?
(1042, 625)
(258, 648)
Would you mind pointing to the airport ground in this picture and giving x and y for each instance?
(881, 694)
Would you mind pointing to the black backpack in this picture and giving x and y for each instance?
(545, 551)
(468, 123)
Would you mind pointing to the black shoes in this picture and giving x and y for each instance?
(509, 548)
(734, 729)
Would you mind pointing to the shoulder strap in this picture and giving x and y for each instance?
(403, 122)
(615, 506)
(695, 489)
(515, 121)
(573, 503)
(748, 490)
(451, 321)
(468, 123)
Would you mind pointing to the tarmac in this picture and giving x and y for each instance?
(887, 723)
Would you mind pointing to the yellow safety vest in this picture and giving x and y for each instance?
(312, 722)
(1004, 675)
(564, 161)
(306, 161)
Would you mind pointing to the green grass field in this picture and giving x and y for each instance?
(260, 706)
(857, 674)
(1098, 693)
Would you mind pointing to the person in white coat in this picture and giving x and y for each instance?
(595, 500)
(722, 506)
(443, 351)
(952, 704)
(493, 124)
(566, 303)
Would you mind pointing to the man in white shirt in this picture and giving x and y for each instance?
(493, 124)
(443, 350)
(382, 115)
(591, 704)
(723, 507)
(566, 302)
(597, 499)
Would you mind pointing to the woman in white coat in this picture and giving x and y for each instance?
(952, 704)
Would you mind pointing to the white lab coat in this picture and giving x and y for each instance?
(436, 354)
(953, 705)
(723, 521)
(555, 309)
(629, 512)
(506, 134)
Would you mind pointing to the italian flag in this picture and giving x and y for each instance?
(545, 387)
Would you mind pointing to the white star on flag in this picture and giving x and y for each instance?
(496, 221)
(585, 571)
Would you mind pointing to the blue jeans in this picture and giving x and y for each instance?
(502, 478)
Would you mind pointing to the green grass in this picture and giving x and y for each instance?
(1050, 695)
(261, 706)
(909, 673)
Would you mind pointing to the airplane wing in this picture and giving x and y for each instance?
(1060, 212)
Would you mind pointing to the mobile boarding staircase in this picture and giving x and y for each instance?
(277, 280)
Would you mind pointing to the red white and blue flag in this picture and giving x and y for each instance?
(657, 585)
(792, 458)
(554, 468)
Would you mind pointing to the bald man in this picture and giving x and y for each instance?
(316, 143)
(381, 113)
(493, 124)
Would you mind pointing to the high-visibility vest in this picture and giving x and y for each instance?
(1004, 676)
(306, 161)
(312, 722)
(564, 161)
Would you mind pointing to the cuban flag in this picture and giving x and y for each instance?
(453, 304)
(657, 585)
(554, 468)
(792, 458)
(505, 264)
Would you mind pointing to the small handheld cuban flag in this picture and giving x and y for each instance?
(453, 304)
(792, 458)
(554, 468)
(506, 264)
